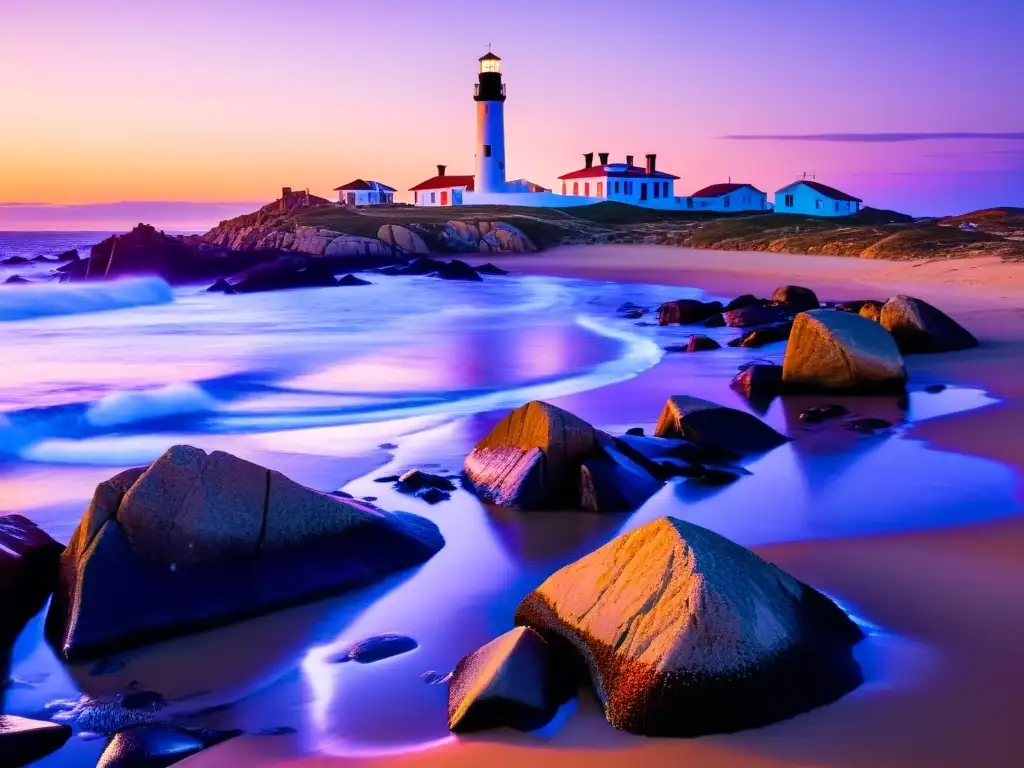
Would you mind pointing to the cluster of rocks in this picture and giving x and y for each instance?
(445, 270)
(680, 631)
(540, 457)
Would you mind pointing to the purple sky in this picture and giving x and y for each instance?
(909, 104)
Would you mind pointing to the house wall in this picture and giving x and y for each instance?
(363, 197)
(529, 199)
(628, 190)
(432, 197)
(810, 202)
(745, 199)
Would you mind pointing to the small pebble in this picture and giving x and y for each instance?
(819, 413)
(387, 446)
(637, 431)
(935, 388)
(387, 479)
(868, 425)
(433, 495)
(369, 498)
(341, 494)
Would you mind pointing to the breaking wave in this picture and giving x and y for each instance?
(119, 408)
(26, 302)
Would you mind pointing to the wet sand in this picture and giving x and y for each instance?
(957, 592)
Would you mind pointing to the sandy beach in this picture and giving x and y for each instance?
(957, 592)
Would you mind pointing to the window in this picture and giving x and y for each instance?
(433, 197)
(415, 198)
(586, 188)
(563, 187)
(819, 204)
(600, 189)
(575, 187)
(616, 187)
(837, 206)
(657, 189)
(643, 190)
(487, 150)
(664, 189)
(789, 201)
(725, 202)
(689, 202)
(629, 187)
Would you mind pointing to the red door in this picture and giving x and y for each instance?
(444, 198)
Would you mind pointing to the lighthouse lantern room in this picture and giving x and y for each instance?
(489, 95)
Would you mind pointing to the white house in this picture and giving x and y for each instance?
(622, 182)
(813, 199)
(441, 189)
(359, 192)
(728, 197)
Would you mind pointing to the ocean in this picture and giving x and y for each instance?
(337, 386)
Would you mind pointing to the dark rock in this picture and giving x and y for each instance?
(221, 286)
(43, 259)
(196, 540)
(686, 633)
(868, 425)
(392, 271)
(416, 480)
(532, 458)
(14, 260)
(16, 280)
(707, 423)
(758, 382)
(154, 745)
(714, 476)
(650, 452)
(696, 343)
(348, 280)
(29, 564)
(342, 494)
(421, 266)
(686, 311)
(614, 483)
(838, 351)
(755, 314)
(376, 648)
(918, 327)
(433, 495)
(369, 498)
(490, 269)
(387, 479)
(795, 298)
(935, 388)
(871, 310)
(456, 270)
(71, 255)
(387, 446)
(281, 730)
(23, 741)
(768, 334)
(820, 413)
(715, 321)
(512, 681)
(282, 273)
(855, 307)
(634, 314)
(746, 300)
(149, 701)
(635, 431)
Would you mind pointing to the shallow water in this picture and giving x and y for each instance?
(311, 382)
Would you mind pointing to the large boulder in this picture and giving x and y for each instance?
(71, 255)
(512, 681)
(795, 298)
(746, 300)
(196, 540)
(504, 465)
(350, 246)
(758, 382)
(754, 314)
(281, 273)
(841, 351)
(402, 239)
(871, 310)
(29, 562)
(156, 745)
(919, 327)
(687, 311)
(707, 423)
(23, 741)
(459, 236)
(687, 633)
(456, 270)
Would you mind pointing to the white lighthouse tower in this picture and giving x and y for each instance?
(489, 95)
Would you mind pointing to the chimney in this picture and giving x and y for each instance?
(629, 160)
(440, 170)
(286, 192)
(650, 163)
(603, 157)
(588, 160)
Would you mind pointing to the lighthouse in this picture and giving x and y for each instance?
(489, 95)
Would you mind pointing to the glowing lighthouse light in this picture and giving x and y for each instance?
(489, 95)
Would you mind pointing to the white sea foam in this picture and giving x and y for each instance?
(121, 408)
(25, 302)
(130, 451)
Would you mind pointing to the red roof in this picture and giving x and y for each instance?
(444, 182)
(826, 190)
(717, 190)
(600, 171)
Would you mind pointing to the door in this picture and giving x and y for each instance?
(351, 198)
(444, 197)
(456, 197)
(643, 191)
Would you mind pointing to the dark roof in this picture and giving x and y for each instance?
(444, 182)
(628, 172)
(826, 190)
(717, 190)
(364, 186)
(490, 57)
